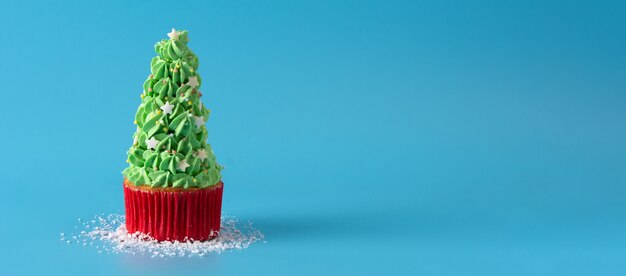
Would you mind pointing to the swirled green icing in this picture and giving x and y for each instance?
(169, 148)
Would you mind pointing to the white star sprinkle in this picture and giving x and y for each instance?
(152, 143)
(193, 82)
(135, 141)
(167, 108)
(182, 165)
(174, 34)
(199, 121)
(201, 154)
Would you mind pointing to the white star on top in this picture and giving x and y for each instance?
(199, 121)
(167, 108)
(182, 165)
(201, 154)
(152, 143)
(193, 82)
(173, 34)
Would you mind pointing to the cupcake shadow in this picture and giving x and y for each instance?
(287, 227)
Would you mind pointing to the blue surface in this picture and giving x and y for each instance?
(433, 138)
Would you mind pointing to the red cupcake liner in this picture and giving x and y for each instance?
(174, 215)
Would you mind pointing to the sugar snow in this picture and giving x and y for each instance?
(108, 234)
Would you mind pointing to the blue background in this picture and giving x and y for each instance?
(362, 137)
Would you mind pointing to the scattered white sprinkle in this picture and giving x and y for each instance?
(109, 235)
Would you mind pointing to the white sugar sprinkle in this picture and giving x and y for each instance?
(110, 236)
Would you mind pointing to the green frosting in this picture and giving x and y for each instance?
(169, 148)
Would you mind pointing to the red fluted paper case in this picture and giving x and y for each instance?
(174, 215)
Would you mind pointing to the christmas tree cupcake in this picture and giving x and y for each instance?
(172, 186)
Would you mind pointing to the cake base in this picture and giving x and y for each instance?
(170, 214)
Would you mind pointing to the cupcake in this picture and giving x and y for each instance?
(172, 186)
